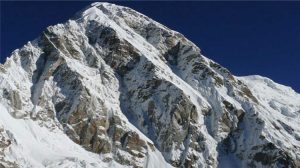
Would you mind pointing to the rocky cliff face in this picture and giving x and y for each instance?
(113, 88)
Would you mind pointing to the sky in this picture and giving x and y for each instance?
(248, 38)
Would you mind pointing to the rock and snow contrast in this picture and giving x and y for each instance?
(113, 88)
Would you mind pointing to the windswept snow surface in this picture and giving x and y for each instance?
(274, 96)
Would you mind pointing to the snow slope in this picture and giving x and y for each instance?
(36, 146)
(33, 145)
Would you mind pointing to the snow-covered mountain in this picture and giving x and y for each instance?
(113, 88)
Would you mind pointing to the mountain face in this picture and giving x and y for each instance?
(113, 88)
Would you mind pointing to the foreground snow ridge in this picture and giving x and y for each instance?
(113, 88)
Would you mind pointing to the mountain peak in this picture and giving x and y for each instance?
(113, 88)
